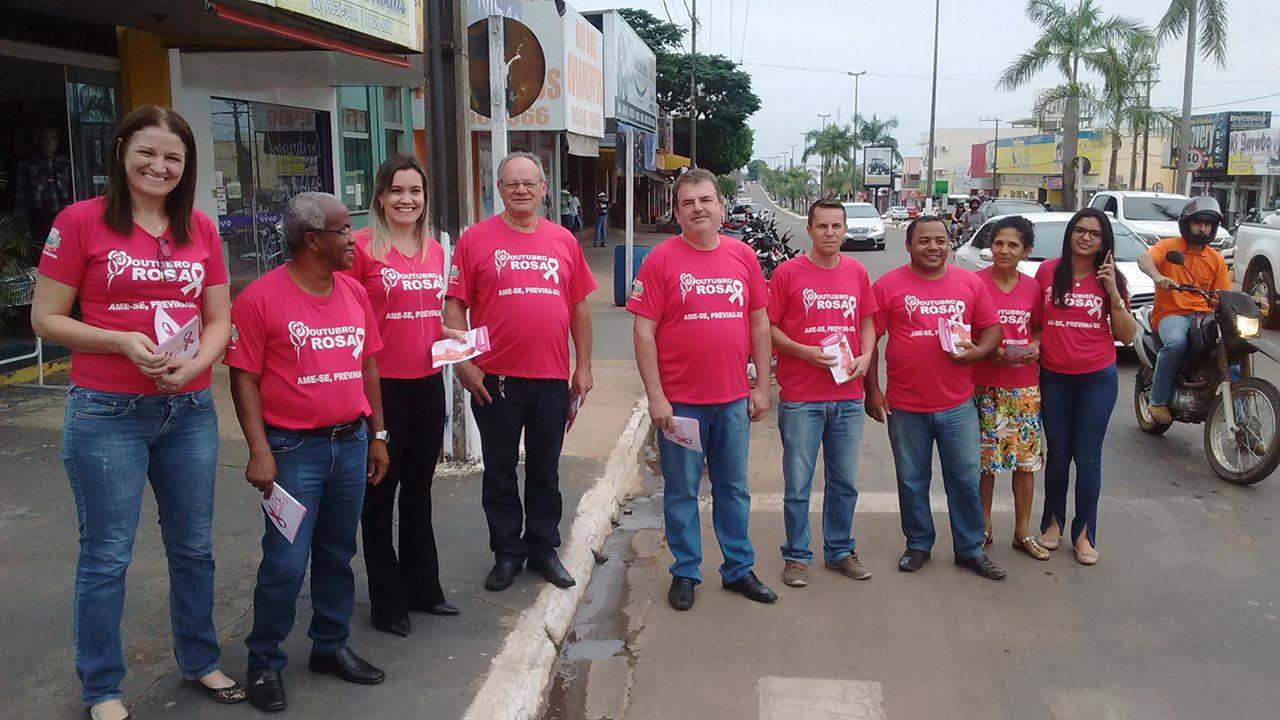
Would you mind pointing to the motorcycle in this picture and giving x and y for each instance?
(1240, 411)
(1252, 216)
(771, 248)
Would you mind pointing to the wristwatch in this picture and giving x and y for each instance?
(382, 435)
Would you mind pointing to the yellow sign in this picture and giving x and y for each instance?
(1042, 154)
(393, 21)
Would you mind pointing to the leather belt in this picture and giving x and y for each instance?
(333, 432)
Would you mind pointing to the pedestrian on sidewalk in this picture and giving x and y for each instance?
(575, 211)
(1008, 383)
(699, 303)
(136, 413)
(526, 279)
(402, 271)
(305, 384)
(602, 220)
(930, 393)
(1086, 310)
(813, 299)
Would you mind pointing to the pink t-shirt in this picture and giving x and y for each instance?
(1019, 311)
(406, 295)
(308, 351)
(808, 303)
(522, 286)
(122, 281)
(1076, 339)
(922, 376)
(702, 302)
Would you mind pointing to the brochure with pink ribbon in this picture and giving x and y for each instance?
(837, 346)
(284, 512)
(450, 351)
(953, 332)
(685, 433)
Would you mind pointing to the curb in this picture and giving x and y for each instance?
(518, 677)
(27, 375)
(781, 209)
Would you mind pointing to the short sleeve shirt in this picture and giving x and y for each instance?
(123, 281)
(1203, 267)
(1020, 312)
(1076, 338)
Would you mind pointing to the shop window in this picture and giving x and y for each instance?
(357, 148)
(393, 121)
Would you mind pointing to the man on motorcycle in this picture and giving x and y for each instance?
(1173, 312)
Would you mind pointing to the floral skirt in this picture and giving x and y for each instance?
(1009, 428)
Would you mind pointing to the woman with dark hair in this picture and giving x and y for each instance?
(151, 282)
(402, 269)
(1085, 313)
(1007, 385)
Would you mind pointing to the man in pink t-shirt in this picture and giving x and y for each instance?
(818, 301)
(305, 385)
(926, 306)
(525, 278)
(699, 305)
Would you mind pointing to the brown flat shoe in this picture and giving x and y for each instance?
(1031, 546)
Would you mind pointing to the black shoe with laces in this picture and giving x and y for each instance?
(912, 560)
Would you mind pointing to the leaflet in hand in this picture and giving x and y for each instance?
(575, 402)
(284, 512)
(178, 342)
(953, 332)
(449, 351)
(837, 345)
(685, 433)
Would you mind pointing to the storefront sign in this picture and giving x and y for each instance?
(877, 165)
(1254, 152)
(278, 118)
(393, 21)
(1042, 154)
(630, 75)
(479, 9)
(1211, 134)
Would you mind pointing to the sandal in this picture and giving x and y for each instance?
(1031, 546)
(229, 695)
(986, 539)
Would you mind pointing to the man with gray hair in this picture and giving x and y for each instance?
(525, 278)
(305, 385)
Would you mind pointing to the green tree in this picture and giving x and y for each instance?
(728, 186)
(659, 35)
(1071, 40)
(756, 168)
(1202, 22)
(725, 101)
(834, 144)
(875, 132)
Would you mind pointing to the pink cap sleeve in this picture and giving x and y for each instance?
(867, 303)
(247, 346)
(757, 288)
(372, 338)
(215, 269)
(778, 289)
(459, 283)
(882, 307)
(648, 294)
(63, 258)
(582, 283)
(984, 308)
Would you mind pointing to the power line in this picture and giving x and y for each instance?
(742, 47)
(1236, 102)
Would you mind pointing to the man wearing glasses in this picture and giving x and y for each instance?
(305, 385)
(525, 278)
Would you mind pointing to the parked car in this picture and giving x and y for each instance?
(995, 207)
(1050, 229)
(864, 229)
(1155, 215)
(743, 212)
(898, 212)
(913, 212)
(1258, 251)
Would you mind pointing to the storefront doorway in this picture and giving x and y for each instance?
(264, 154)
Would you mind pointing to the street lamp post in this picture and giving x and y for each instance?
(822, 175)
(857, 142)
(933, 102)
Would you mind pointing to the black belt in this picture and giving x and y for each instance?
(333, 432)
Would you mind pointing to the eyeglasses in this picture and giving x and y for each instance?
(514, 185)
(1085, 233)
(345, 232)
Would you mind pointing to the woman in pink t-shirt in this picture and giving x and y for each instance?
(1085, 313)
(1007, 386)
(151, 281)
(402, 270)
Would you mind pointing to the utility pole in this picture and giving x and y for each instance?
(995, 157)
(1146, 123)
(933, 104)
(693, 85)
(857, 142)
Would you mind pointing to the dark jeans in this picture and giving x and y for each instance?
(414, 414)
(1075, 410)
(539, 410)
(328, 478)
(113, 444)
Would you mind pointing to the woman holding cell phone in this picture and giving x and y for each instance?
(144, 265)
(1085, 312)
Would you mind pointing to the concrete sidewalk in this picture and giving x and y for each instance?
(435, 672)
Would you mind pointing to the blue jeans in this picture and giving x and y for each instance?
(725, 431)
(837, 427)
(601, 222)
(328, 478)
(1173, 331)
(955, 431)
(112, 445)
(1075, 410)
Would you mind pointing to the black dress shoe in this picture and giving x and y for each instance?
(399, 627)
(983, 566)
(552, 571)
(681, 593)
(912, 560)
(443, 608)
(346, 665)
(500, 577)
(751, 586)
(266, 690)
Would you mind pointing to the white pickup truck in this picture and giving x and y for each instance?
(1257, 262)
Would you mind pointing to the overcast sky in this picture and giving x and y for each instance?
(892, 41)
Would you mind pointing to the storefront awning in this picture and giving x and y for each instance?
(582, 146)
(672, 162)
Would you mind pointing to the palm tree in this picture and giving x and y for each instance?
(1071, 39)
(1186, 16)
(878, 132)
(833, 144)
(1127, 68)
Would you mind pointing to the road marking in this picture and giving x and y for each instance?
(784, 698)
(868, 502)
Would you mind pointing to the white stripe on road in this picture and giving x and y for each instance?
(868, 502)
(784, 698)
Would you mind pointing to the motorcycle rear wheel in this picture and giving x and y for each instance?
(1254, 456)
(1141, 398)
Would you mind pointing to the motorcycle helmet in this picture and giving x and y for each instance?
(1200, 208)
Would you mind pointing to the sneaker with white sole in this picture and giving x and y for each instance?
(851, 567)
(795, 574)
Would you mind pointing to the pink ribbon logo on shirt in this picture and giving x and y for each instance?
(194, 287)
(389, 279)
(851, 308)
(1095, 306)
(298, 332)
(117, 262)
(553, 271)
(500, 258)
(359, 346)
(686, 284)
(737, 294)
(810, 296)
